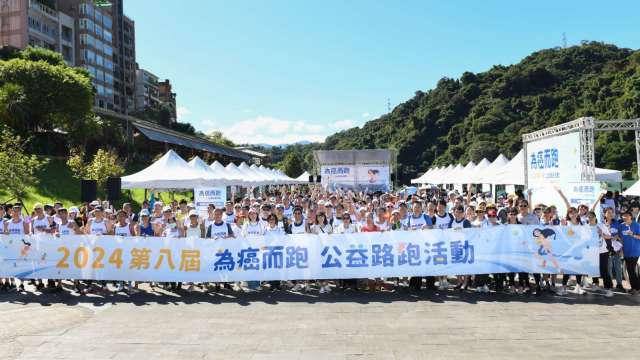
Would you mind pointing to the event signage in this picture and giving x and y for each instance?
(367, 178)
(499, 249)
(371, 178)
(205, 196)
(554, 160)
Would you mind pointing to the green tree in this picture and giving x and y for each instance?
(104, 164)
(17, 169)
(292, 164)
(40, 93)
(219, 138)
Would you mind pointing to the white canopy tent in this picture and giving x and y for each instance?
(442, 174)
(608, 175)
(634, 190)
(303, 178)
(460, 174)
(487, 174)
(511, 173)
(424, 177)
(471, 176)
(233, 178)
(168, 172)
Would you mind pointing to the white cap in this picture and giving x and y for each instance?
(166, 208)
(192, 213)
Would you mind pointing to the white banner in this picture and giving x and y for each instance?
(501, 249)
(205, 196)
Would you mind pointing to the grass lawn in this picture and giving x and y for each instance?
(58, 184)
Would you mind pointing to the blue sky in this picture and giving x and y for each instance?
(284, 71)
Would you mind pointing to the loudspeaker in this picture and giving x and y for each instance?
(310, 178)
(114, 187)
(88, 190)
(319, 178)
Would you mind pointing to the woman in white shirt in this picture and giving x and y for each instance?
(381, 221)
(253, 227)
(606, 247)
(322, 226)
(346, 227)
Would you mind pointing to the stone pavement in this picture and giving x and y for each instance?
(282, 325)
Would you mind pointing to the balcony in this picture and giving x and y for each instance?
(48, 12)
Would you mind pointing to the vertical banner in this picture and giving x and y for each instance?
(555, 163)
(205, 196)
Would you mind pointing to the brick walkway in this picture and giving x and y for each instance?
(281, 325)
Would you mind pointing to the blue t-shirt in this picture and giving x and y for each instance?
(630, 245)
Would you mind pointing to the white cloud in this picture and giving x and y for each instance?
(181, 111)
(344, 124)
(271, 130)
(366, 115)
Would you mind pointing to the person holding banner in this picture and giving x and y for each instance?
(572, 219)
(16, 226)
(418, 220)
(145, 228)
(604, 233)
(630, 232)
(322, 226)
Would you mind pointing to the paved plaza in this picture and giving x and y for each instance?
(283, 325)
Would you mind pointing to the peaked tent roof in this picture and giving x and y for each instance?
(488, 173)
(168, 172)
(304, 177)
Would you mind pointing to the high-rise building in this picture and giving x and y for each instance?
(37, 23)
(94, 46)
(124, 59)
(168, 97)
(147, 91)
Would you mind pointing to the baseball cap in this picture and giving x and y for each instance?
(144, 212)
(166, 208)
(279, 206)
(74, 209)
(94, 203)
(37, 206)
(193, 213)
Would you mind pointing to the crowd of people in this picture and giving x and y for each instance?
(311, 210)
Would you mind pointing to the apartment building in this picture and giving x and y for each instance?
(168, 97)
(147, 91)
(37, 23)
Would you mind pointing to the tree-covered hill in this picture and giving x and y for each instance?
(483, 114)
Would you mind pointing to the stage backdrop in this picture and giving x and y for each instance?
(367, 178)
(500, 249)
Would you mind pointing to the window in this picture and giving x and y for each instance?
(99, 45)
(89, 56)
(99, 60)
(107, 36)
(108, 64)
(99, 31)
(34, 24)
(98, 17)
(108, 78)
(86, 9)
(108, 50)
(106, 21)
(100, 75)
(100, 89)
(67, 33)
(87, 24)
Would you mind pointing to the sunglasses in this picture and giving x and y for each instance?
(524, 206)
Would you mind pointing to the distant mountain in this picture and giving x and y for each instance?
(269, 146)
(484, 114)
